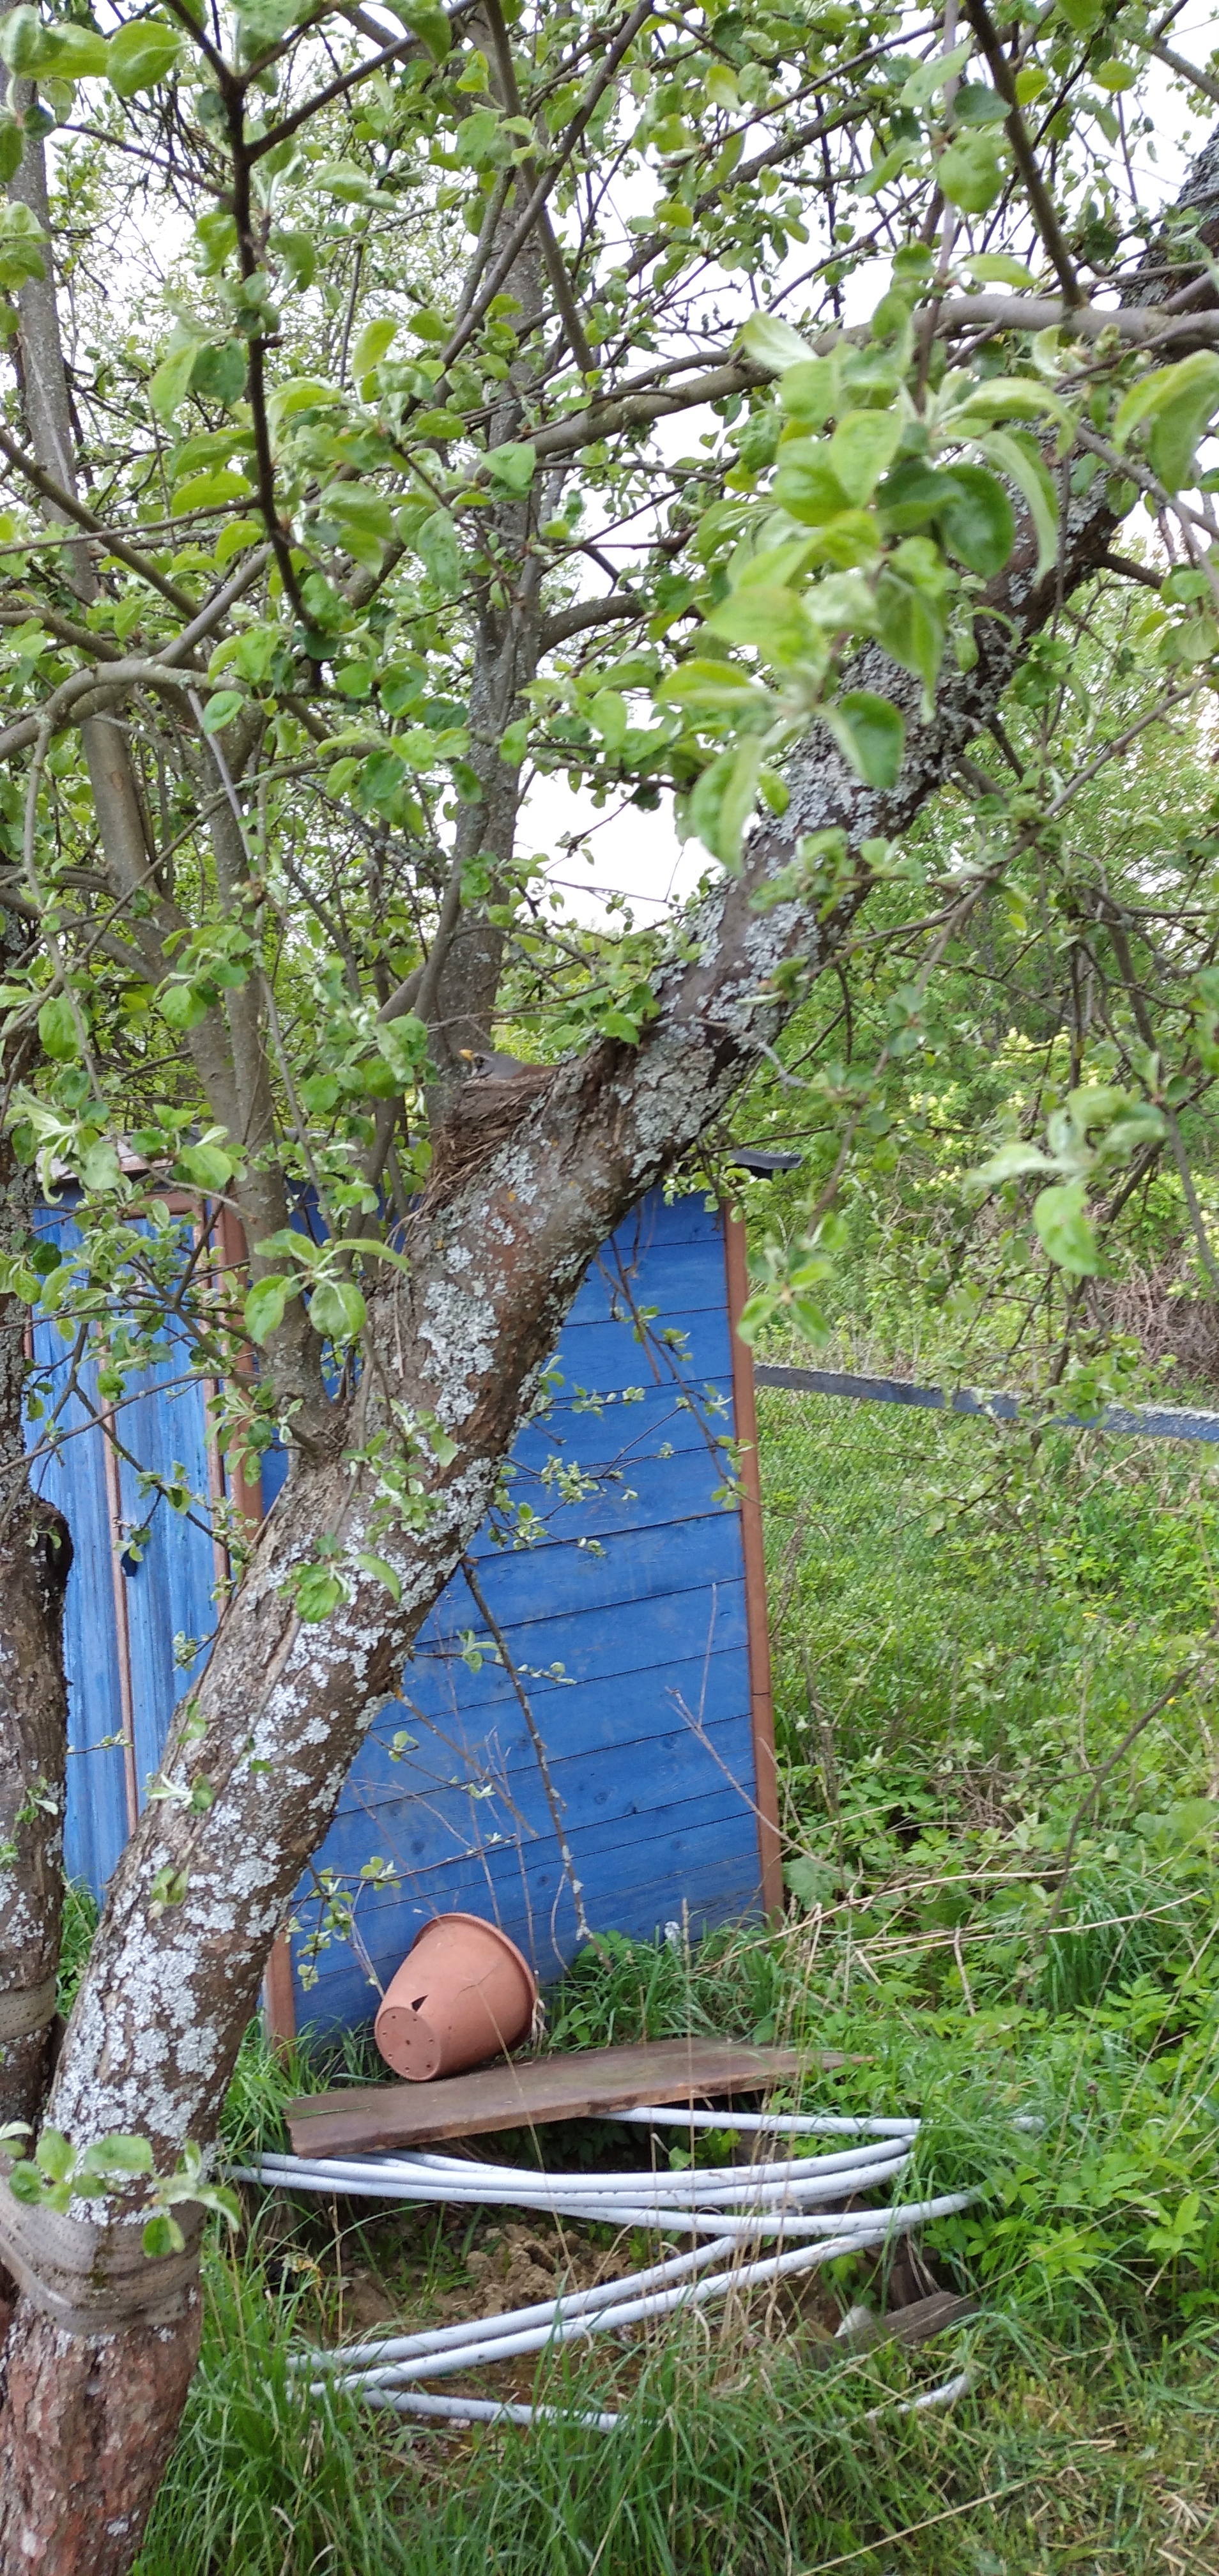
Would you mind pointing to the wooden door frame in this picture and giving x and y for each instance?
(757, 1616)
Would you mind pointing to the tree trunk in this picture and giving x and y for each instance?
(283, 1705)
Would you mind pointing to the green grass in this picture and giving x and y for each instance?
(967, 1623)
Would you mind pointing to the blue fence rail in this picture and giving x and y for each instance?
(1146, 1421)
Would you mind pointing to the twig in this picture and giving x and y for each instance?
(553, 1800)
(1184, 1673)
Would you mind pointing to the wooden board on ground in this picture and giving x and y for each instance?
(595, 2081)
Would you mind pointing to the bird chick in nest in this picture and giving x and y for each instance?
(481, 1115)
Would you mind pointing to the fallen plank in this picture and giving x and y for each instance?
(593, 2082)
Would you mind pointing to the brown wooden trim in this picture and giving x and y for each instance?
(279, 1995)
(231, 1245)
(761, 1692)
(114, 1515)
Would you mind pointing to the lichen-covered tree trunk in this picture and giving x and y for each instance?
(455, 1350)
(283, 1705)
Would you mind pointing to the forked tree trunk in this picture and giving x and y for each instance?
(282, 1707)
(170, 1988)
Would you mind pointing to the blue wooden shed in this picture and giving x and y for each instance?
(625, 1636)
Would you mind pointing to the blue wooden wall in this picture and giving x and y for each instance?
(625, 1619)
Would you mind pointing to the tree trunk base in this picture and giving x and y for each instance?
(85, 2436)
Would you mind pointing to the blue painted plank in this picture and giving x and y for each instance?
(598, 1785)
(644, 1493)
(625, 1640)
(678, 1279)
(568, 1580)
(95, 1826)
(600, 1712)
(601, 1357)
(169, 1593)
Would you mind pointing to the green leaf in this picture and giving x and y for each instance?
(871, 733)
(208, 1166)
(776, 620)
(169, 1887)
(806, 484)
(976, 103)
(140, 55)
(169, 387)
(374, 340)
(723, 800)
(712, 688)
(234, 540)
(317, 1591)
(429, 24)
(1024, 466)
(978, 521)
(25, 44)
(809, 390)
(22, 242)
(264, 1306)
(12, 148)
(298, 251)
(118, 2155)
(80, 53)
(512, 465)
(403, 1043)
(436, 545)
(1179, 402)
(203, 491)
(773, 343)
(997, 268)
(363, 518)
(29, 47)
(162, 2235)
(221, 709)
(25, 2183)
(182, 1006)
(913, 495)
(970, 173)
(54, 2155)
(929, 78)
(220, 371)
(815, 1882)
(1060, 1217)
(57, 1029)
(1012, 398)
(100, 1168)
(482, 141)
(337, 1310)
(862, 447)
(910, 624)
(380, 1571)
(1011, 1160)
(1115, 76)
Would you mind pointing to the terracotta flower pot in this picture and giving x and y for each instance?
(462, 1993)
